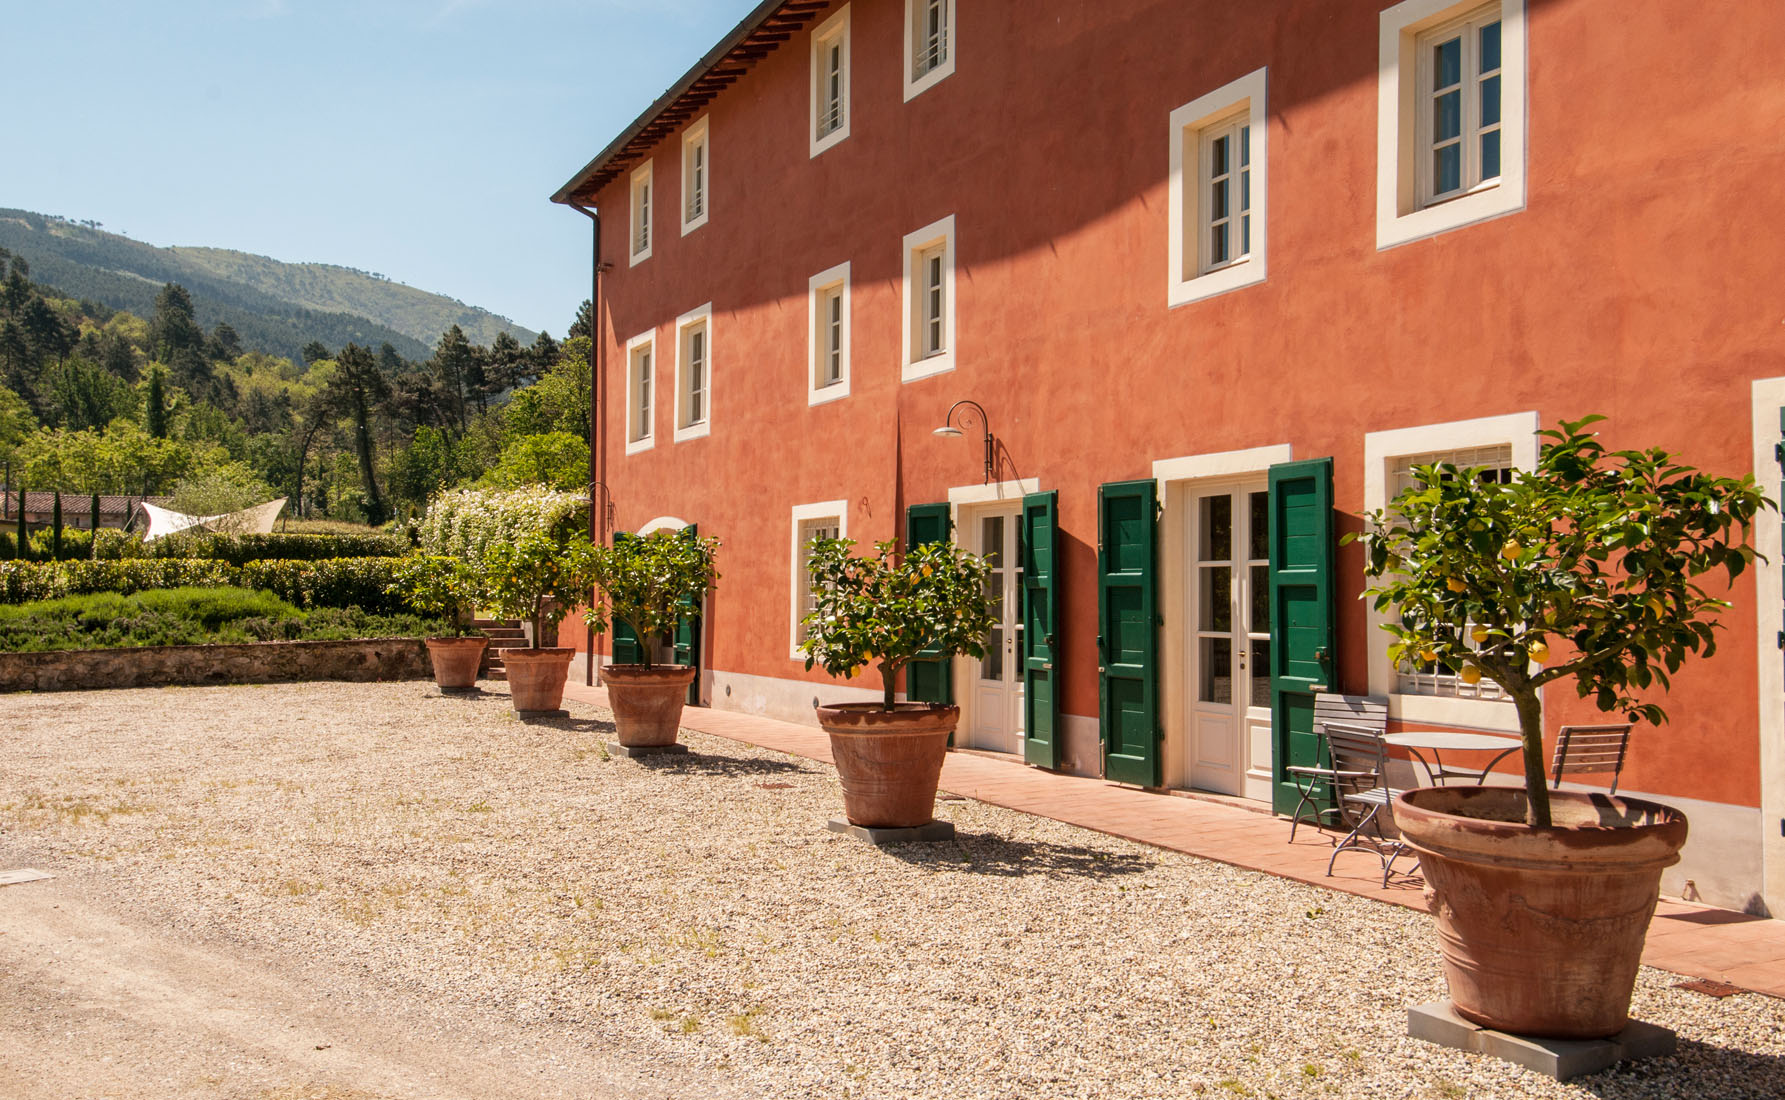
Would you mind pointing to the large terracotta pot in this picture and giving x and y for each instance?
(647, 702)
(1541, 929)
(456, 661)
(889, 761)
(536, 677)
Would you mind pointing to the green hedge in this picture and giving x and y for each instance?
(189, 616)
(40, 546)
(336, 582)
(242, 549)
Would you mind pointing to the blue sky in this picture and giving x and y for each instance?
(417, 138)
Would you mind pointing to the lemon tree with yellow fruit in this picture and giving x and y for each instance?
(931, 602)
(1587, 568)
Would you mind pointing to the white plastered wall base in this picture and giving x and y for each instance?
(787, 700)
(1769, 596)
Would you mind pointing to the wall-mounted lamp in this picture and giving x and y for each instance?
(991, 441)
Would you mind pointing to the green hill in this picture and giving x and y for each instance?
(273, 306)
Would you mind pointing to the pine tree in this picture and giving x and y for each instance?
(157, 413)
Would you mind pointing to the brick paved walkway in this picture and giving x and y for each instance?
(1697, 941)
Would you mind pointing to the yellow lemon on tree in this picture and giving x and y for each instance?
(1539, 651)
(1480, 634)
(1511, 550)
(1456, 585)
(1470, 675)
(1428, 655)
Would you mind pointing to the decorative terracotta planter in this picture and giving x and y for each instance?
(889, 761)
(647, 702)
(456, 661)
(536, 677)
(1541, 929)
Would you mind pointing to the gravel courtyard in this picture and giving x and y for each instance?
(347, 892)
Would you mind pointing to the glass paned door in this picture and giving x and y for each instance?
(996, 721)
(1229, 614)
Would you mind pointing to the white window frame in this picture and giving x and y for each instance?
(1402, 213)
(817, 325)
(700, 318)
(804, 514)
(917, 364)
(1189, 279)
(643, 222)
(832, 30)
(916, 12)
(696, 145)
(641, 436)
(1382, 453)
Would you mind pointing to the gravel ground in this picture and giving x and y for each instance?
(392, 847)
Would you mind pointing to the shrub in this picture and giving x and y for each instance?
(648, 582)
(464, 523)
(188, 616)
(364, 583)
(21, 581)
(74, 545)
(443, 587)
(240, 549)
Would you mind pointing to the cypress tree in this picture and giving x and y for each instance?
(56, 528)
(24, 545)
(93, 528)
(157, 411)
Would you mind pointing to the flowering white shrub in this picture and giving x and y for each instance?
(463, 523)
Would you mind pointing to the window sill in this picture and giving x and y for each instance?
(1478, 205)
(924, 368)
(824, 395)
(922, 84)
(1236, 275)
(639, 258)
(689, 227)
(634, 446)
(694, 431)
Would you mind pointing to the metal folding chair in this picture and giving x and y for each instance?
(1360, 770)
(1315, 784)
(1591, 749)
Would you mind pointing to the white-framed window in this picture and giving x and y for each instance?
(641, 365)
(929, 44)
(643, 200)
(830, 81)
(694, 373)
(1450, 131)
(827, 336)
(1499, 444)
(825, 520)
(696, 170)
(1218, 192)
(929, 292)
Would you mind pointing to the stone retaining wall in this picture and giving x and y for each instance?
(361, 660)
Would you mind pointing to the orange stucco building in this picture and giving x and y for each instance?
(1215, 274)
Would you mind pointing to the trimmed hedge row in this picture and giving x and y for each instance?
(41, 545)
(188, 616)
(332, 582)
(240, 549)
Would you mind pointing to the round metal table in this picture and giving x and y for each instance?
(1439, 742)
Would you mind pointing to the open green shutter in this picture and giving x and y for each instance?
(626, 650)
(928, 679)
(1301, 567)
(1128, 638)
(687, 637)
(1039, 534)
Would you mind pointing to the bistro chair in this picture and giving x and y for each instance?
(1316, 783)
(1591, 749)
(1360, 779)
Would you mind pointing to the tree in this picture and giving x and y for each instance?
(453, 362)
(225, 344)
(174, 329)
(356, 389)
(557, 460)
(559, 401)
(1582, 569)
(156, 415)
(584, 325)
(315, 352)
(82, 394)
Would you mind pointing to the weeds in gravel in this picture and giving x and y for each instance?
(481, 806)
(1237, 1087)
(690, 1025)
(744, 1024)
(662, 1014)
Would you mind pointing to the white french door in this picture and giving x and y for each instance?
(995, 684)
(1230, 640)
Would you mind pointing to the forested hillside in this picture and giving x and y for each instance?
(274, 307)
(97, 400)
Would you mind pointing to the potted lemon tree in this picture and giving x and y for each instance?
(1590, 571)
(887, 610)
(447, 588)
(649, 582)
(537, 576)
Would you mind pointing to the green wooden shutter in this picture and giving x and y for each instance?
(1301, 568)
(626, 650)
(1039, 535)
(686, 646)
(929, 679)
(1127, 638)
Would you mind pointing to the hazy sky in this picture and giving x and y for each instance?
(417, 138)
